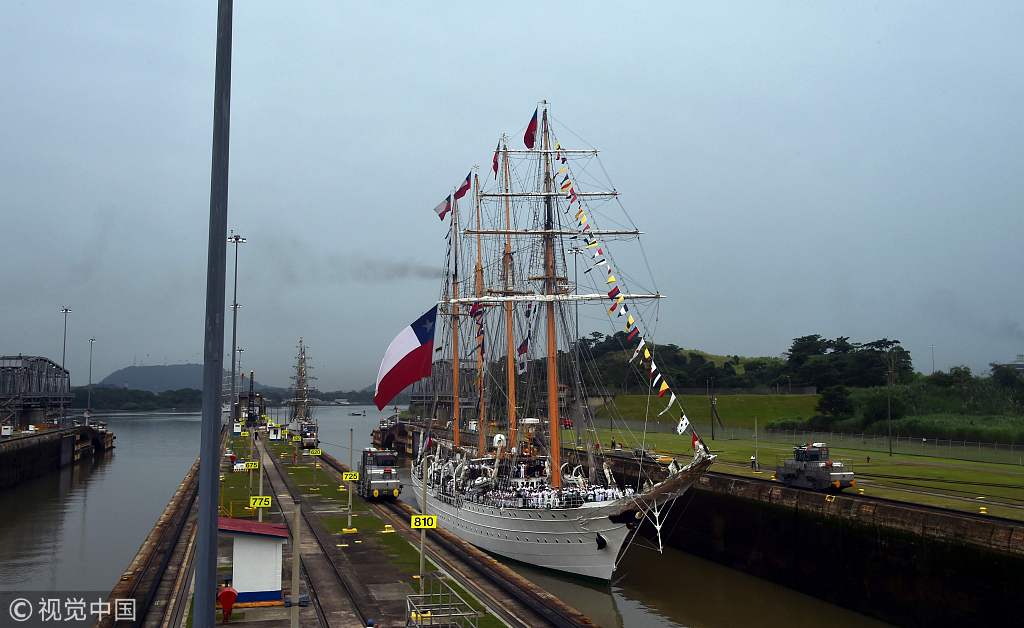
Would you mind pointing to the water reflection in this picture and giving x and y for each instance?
(80, 527)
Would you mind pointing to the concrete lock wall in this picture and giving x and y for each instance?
(904, 565)
(20, 461)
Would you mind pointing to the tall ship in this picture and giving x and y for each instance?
(512, 458)
(300, 413)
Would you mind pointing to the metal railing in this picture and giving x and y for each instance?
(439, 605)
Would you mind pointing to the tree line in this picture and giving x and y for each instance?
(811, 360)
(104, 398)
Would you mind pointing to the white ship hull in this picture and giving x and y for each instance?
(565, 539)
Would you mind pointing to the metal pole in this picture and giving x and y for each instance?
(259, 513)
(756, 463)
(423, 531)
(64, 353)
(213, 345)
(350, 430)
(932, 347)
(888, 402)
(66, 310)
(236, 240)
(88, 403)
(296, 541)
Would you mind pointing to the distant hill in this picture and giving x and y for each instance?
(157, 379)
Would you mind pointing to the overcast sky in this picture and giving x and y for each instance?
(847, 168)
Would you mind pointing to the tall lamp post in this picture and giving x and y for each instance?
(88, 403)
(65, 310)
(64, 353)
(235, 239)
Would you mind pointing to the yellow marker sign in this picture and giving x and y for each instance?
(252, 465)
(420, 522)
(316, 452)
(296, 439)
(350, 476)
(244, 433)
(259, 501)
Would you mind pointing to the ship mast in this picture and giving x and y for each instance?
(506, 268)
(551, 287)
(479, 281)
(456, 441)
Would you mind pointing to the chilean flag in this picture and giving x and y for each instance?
(407, 360)
(459, 193)
(530, 137)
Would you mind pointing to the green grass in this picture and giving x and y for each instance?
(234, 489)
(956, 484)
(402, 554)
(735, 410)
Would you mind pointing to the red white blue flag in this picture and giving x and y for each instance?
(407, 360)
(459, 193)
(444, 207)
(530, 137)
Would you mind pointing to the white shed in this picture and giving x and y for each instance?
(256, 563)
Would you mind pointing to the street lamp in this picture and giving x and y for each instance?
(65, 310)
(64, 354)
(88, 403)
(235, 239)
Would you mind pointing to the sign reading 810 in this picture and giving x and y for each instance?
(420, 522)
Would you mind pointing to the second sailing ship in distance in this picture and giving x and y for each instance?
(300, 416)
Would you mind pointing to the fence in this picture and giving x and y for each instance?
(1007, 453)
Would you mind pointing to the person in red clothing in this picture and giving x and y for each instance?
(226, 597)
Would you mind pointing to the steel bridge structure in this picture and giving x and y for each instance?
(32, 388)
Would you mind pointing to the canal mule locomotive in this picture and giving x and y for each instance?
(378, 474)
(811, 467)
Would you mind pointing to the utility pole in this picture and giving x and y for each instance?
(235, 239)
(888, 400)
(711, 397)
(932, 347)
(88, 403)
(296, 565)
(213, 343)
(757, 462)
(350, 430)
(64, 354)
(423, 531)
